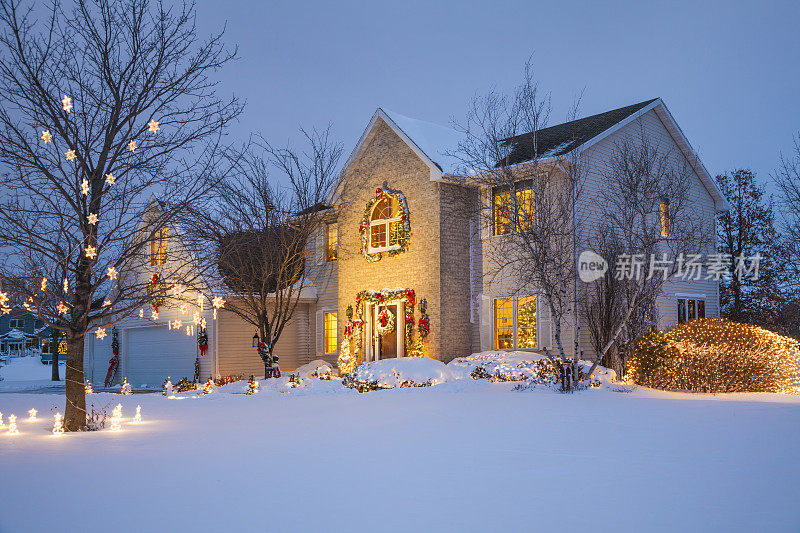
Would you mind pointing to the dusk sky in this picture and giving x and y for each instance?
(728, 71)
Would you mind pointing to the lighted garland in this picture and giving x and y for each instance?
(404, 228)
(354, 327)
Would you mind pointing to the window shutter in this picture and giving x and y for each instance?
(486, 312)
(321, 246)
(543, 322)
(320, 334)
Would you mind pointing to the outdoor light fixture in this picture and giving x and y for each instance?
(255, 340)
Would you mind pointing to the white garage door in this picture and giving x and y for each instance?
(154, 353)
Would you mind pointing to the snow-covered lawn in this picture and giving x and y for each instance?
(28, 373)
(464, 455)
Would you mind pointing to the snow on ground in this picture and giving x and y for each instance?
(464, 455)
(28, 373)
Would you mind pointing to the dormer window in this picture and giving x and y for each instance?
(158, 248)
(384, 226)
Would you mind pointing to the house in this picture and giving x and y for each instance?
(400, 266)
(21, 333)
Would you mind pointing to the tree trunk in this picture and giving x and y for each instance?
(54, 350)
(75, 414)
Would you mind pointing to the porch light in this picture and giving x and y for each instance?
(255, 340)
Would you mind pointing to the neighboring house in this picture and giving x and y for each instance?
(22, 333)
(401, 265)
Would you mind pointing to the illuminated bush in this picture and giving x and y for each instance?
(715, 355)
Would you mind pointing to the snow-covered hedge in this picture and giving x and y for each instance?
(398, 373)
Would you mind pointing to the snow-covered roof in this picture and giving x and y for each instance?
(435, 141)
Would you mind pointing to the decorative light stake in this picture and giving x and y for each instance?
(137, 418)
(12, 425)
(32, 415)
(166, 390)
(252, 385)
(87, 388)
(2, 424)
(125, 388)
(58, 425)
(116, 418)
(154, 315)
(209, 388)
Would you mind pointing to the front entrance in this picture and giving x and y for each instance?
(385, 344)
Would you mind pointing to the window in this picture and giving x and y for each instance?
(330, 333)
(331, 242)
(503, 324)
(515, 323)
(517, 214)
(666, 221)
(15, 323)
(690, 309)
(158, 248)
(384, 226)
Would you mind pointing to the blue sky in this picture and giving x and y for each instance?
(728, 71)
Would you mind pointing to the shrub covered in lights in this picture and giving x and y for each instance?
(715, 355)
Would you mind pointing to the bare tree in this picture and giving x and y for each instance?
(259, 229)
(649, 225)
(104, 106)
(787, 178)
(529, 199)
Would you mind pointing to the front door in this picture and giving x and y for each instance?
(387, 343)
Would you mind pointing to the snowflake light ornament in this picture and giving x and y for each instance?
(132, 146)
(92, 218)
(112, 273)
(66, 103)
(70, 155)
(101, 333)
(90, 251)
(47, 136)
(153, 126)
(62, 309)
(110, 179)
(217, 302)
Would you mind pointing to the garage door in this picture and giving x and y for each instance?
(154, 353)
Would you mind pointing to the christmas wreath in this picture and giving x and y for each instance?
(385, 323)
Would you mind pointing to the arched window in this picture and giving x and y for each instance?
(384, 226)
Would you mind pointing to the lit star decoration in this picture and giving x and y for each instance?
(62, 309)
(112, 273)
(70, 155)
(182, 309)
(154, 315)
(217, 302)
(153, 126)
(110, 179)
(47, 136)
(32, 415)
(101, 333)
(91, 252)
(66, 103)
(92, 219)
(177, 290)
(132, 146)
(43, 285)
(106, 303)
(85, 187)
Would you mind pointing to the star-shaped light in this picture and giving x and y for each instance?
(62, 309)
(85, 187)
(154, 316)
(70, 155)
(132, 146)
(27, 306)
(101, 333)
(153, 125)
(46, 136)
(110, 179)
(106, 303)
(43, 285)
(6, 310)
(90, 251)
(66, 103)
(217, 302)
(92, 218)
(3, 298)
(177, 290)
(183, 309)
(112, 273)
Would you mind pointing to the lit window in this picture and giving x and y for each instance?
(384, 226)
(158, 248)
(503, 324)
(666, 221)
(330, 333)
(508, 214)
(526, 322)
(331, 243)
(690, 309)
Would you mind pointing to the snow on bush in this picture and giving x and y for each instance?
(521, 366)
(715, 355)
(398, 373)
